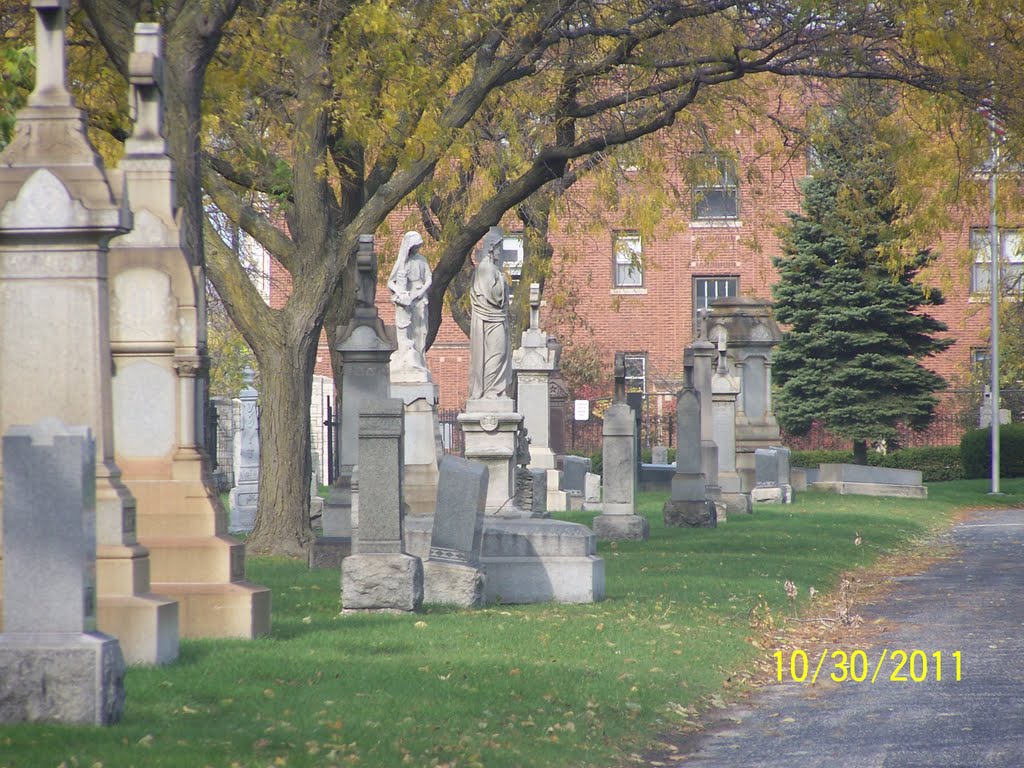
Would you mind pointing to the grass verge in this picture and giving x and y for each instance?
(541, 685)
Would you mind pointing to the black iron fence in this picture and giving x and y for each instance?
(451, 430)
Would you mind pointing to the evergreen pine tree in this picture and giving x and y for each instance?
(851, 357)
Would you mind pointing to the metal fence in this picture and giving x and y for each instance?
(451, 430)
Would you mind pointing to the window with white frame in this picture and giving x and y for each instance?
(981, 361)
(512, 248)
(716, 192)
(707, 288)
(1011, 261)
(628, 250)
(636, 371)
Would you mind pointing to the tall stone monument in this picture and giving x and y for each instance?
(58, 213)
(750, 331)
(618, 518)
(55, 665)
(380, 576)
(410, 378)
(365, 345)
(244, 495)
(490, 422)
(534, 362)
(702, 356)
(689, 506)
(156, 314)
(725, 389)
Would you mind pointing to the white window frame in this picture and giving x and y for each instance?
(628, 264)
(717, 281)
(1011, 260)
(513, 242)
(722, 179)
(638, 361)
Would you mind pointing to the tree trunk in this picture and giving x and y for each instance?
(860, 452)
(282, 515)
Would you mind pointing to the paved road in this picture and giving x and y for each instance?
(973, 603)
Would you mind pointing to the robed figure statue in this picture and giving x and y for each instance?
(490, 348)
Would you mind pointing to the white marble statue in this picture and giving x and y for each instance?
(490, 348)
(410, 278)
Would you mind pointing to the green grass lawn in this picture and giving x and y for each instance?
(540, 685)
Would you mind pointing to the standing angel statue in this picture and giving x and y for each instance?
(409, 281)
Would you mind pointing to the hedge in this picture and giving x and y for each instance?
(935, 463)
(976, 452)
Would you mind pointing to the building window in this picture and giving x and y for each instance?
(981, 362)
(512, 254)
(708, 288)
(716, 194)
(1011, 261)
(636, 371)
(629, 270)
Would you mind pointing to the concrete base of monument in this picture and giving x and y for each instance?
(872, 489)
(391, 582)
(329, 551)
(736, 503)
(690, 514)
(61, 678)
(529, 560)
(452, 584)
(772, 494)
(615, 527)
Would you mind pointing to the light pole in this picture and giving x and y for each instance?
(994, 252)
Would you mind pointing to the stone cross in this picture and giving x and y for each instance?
(50, 90)
(366, 266)
(534, 306)
(620, 378)
(145, 76)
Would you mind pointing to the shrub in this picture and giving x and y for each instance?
(976, 452)
(936, 464)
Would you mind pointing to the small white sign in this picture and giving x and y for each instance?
(582, 410)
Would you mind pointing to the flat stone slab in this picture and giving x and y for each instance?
(329, 551)
(871, 489)
(621, 527)
(857, 473)
(452, 584)
(690, 514)
(529, 560)
(391, 582)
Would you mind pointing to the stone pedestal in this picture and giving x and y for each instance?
(618, 466)
(725, 390)
(557, 499)
(422, 444)
(534, 363)
(380, 576)
(489, 430)
(365, 346)
(58, 212)
(703, 356)
(689, 506)
(156, 306)
(55, 666)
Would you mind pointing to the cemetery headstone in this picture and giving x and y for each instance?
(725, 390)
(55, 665)
(534, 364)
(451, 573)
(618, 518)
(245, 494)
(380, 576)
(689, 505)
(659, 455)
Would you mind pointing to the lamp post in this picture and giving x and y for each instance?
(994, 252)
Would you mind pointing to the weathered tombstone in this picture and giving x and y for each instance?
(869, 481)
(380, 576)
(365, 346)
(540, 493)
(659, 455)
(574, 472)
(689, 505)
(244, 495)
(591, 491)
(618, 518)
(702, 356)
(534, 363)
(752, 335)
(451, 573)
(725, 390)
(157, 338)
(58, 212)
(55, 666)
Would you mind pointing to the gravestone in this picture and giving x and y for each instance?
(618, 518)
(725, 389)
(773, 476)
(245, 494)
(451, 573)
(659, 455)
(156, 311)
(591, 491)
(365, 346)
(746, 325)
(540, 493)
(54, 666)
(58, 212)
(380, 576)
(869, 481)
(534, 363)
(702, 356)
(689, 506)
(574, 473)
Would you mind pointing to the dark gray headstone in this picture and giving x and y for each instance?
(766, 466)
(380, 477)
(459, 514)
(574, 473)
